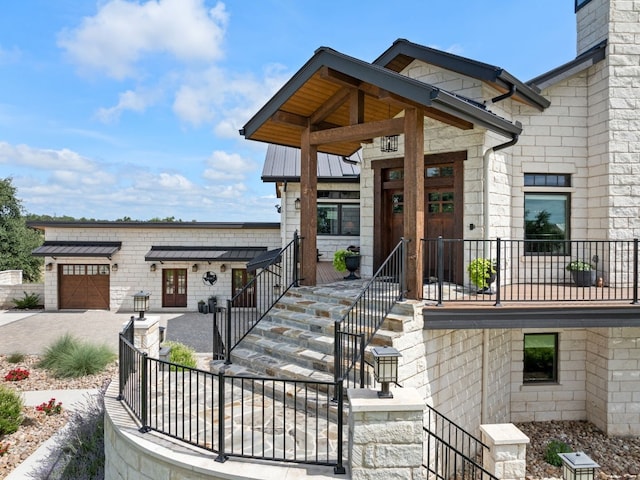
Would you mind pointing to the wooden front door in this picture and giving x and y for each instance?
(443, 204)
(174, 287)
(239, 278)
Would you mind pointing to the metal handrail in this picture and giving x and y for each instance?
(367, 313)
(532, 270)
(254, 301)
(181, 402)
(451, 451)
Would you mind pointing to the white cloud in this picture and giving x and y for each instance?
(122, 32)
(129, 100)
(225, 166)
(44, 159)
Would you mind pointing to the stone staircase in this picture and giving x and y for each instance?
(296, 340)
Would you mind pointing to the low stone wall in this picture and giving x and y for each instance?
(9, 292)
(11, 277)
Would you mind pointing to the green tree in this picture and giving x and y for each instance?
(16, 239)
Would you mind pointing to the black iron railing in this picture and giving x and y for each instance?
(250, 304)
(365, 316)
(273, 419)
(451, 452)
(531, 270)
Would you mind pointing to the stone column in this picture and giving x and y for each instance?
(506, 458)
(385, 434)
(146, 335)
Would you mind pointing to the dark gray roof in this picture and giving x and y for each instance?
(283, 164)
(77, 249)
(264, 259)
(403, 52)
(583, 61)
(180, 253)
(410, 89)
(107, 224)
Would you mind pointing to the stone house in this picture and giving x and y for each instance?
(101, 265)
(483, 155)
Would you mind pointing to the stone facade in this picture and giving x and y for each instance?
(133, 272)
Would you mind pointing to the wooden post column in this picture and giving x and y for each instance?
(308, 208)
(414, 198)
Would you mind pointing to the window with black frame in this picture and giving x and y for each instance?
(546, 214)
(336, 216)
(540, 358)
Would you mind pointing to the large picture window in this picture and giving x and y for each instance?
(338, 219)
(540, 358)
(546, 215)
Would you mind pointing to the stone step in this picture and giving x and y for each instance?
(317, 341)
(311, 306)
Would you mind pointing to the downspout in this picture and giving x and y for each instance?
(486, 158)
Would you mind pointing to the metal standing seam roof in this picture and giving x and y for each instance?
(283, 164)
(583, 61)
(264, 259)
(403, 52)
(307, 91)
(182, 253)
(77, 249)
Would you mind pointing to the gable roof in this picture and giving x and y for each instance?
(403, 52)
(583, 61)
(281, 119)
(282, 164)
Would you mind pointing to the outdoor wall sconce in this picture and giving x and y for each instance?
(114, 267)
(223, 268)
(152, 267)
(49, 266)
(297, 204)
(141, 303)
(577, 466)
(389, 143)
(385, 368)
(194, 268)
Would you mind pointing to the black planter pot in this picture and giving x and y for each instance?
(353, 263)
(584, 278)
(488, 290)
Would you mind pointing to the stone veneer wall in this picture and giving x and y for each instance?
(498, 375)
(454, 369)
(613, 380)
(133, 273)
(9, 292)
(565, 400)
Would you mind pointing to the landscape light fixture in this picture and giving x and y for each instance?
(385, 368)
(577, 466)
(141, 303)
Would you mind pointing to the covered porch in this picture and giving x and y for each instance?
(334, 104)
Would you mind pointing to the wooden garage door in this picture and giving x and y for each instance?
(83, 286)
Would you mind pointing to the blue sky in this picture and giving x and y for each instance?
(117, 108)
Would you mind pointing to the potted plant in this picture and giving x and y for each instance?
(583, 273)
(482, 273)
(348, 259)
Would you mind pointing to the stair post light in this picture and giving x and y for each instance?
(577, 466)
(141, 303)
(385, 368)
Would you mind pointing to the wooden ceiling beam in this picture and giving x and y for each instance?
(356, 133)
(356, 107)
(331, 105)
(298, 121)
(335, 76)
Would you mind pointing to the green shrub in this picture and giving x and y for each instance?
(15, 357)
(480, 271)
(181, 354)
(10, 410)
(554, 447)
(30, 300)
(68, 357)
